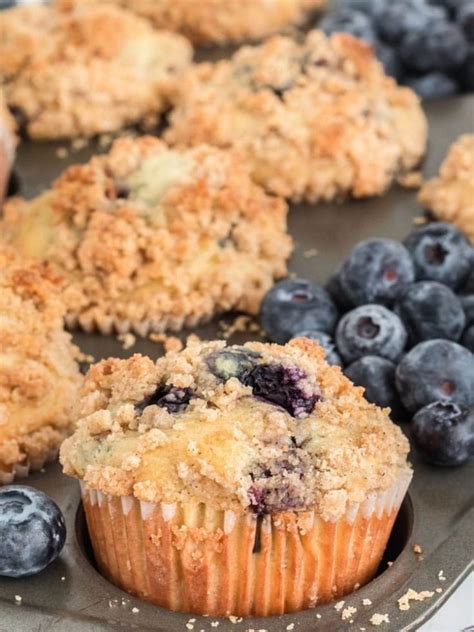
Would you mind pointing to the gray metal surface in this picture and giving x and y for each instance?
(71, 595)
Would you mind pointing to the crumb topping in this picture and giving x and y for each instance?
(90, 70)
(450, 195)
(39, 376)
(316, 120)
(190, 428)
(150, 238)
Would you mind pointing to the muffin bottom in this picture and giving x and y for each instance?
(192, 558)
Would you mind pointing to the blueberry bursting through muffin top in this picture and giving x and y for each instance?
(259, 428)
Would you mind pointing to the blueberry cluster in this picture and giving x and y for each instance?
(426, 44)
(399, 318)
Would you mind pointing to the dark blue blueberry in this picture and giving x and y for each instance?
(468, 286)
(286, 387)
(370, 330)
(434, 85)
(365, 6)
(231, 363)
(468, 338)
(377, 376)
(326, 342)
(441, 252)
(433, 370)
(431, 310)
(280, 485)
(467, 302)
(377, 271)
(395, 20)
(347, 20)
(465, 19)
(389, 59)
(465, 74)
(32, 531)
(173, 398)
(294, 305)
(442, 48)
(334, 288)
(444, 433)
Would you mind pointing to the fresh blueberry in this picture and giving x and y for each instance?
(334, 288)
(32, 531)
(468, 338)
(433, 370)
(231, 363)
(295, 305)
(326, 342)
(467, 302)
(173, 398)
(377, 376)
(468, 285)
(389, 59)
(442, 47)
(370, 330)
(433, 85)
(465, 19)
(431, 310)
(394, 20)
(466, 72)
(441, 252)
(377, 271)
(281, 484)
(365, 6)
(444, 433)
(348, 20)
(286, 387)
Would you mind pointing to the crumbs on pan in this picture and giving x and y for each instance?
(410, 180)
(234, 619)
(214, 624)
(18, 599)
(441, 576)
(378, 619)
(135, 610)
(348, 612)
(420, 219)
(417, 549)
(241, 324)
(290, 626)
(366, 602)
(412, 595)
(170, 343)
(128, 340)
(311, 252)
(338, 605)
(62, 153)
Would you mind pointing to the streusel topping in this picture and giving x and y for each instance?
(151, 238)
(317, 120)
(220, 21)
(39, 376)
(93, 69)
(259, 428)
(450, 195)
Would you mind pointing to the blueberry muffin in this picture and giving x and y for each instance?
(245, 480)
(150, 238)
(39, 376)
(450, 195)
(7, 145)
(221, 21)
(317, 121)
(93, 69)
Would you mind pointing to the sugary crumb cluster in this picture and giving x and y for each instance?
(258, 428)
(150, 238)
(85, 71)
(450, 195)
(39, 376)
(316, 120)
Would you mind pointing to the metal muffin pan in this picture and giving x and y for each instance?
(437, 515)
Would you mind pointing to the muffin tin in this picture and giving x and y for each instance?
(72, 596)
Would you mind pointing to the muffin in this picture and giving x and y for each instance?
(243, 480)
(39, 376)
(7, 146)
(94, 69)
(220, 21)
(317, 120)
(149, 238)
(450, 195)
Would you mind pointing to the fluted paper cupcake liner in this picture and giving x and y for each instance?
(192, 558)
(23, 469)
(7, 153)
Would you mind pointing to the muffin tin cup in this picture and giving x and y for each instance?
(189, 557)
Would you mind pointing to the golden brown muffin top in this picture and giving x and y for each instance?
(39, 376)
(259, 427)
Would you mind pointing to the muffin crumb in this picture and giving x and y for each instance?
(338, 606)
(128, 340)
(441, 576)
(378, 619)
(412, 595)
(366, 602)
(348, 612)
(417, 549)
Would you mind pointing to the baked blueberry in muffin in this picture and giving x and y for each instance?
(150, 238)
